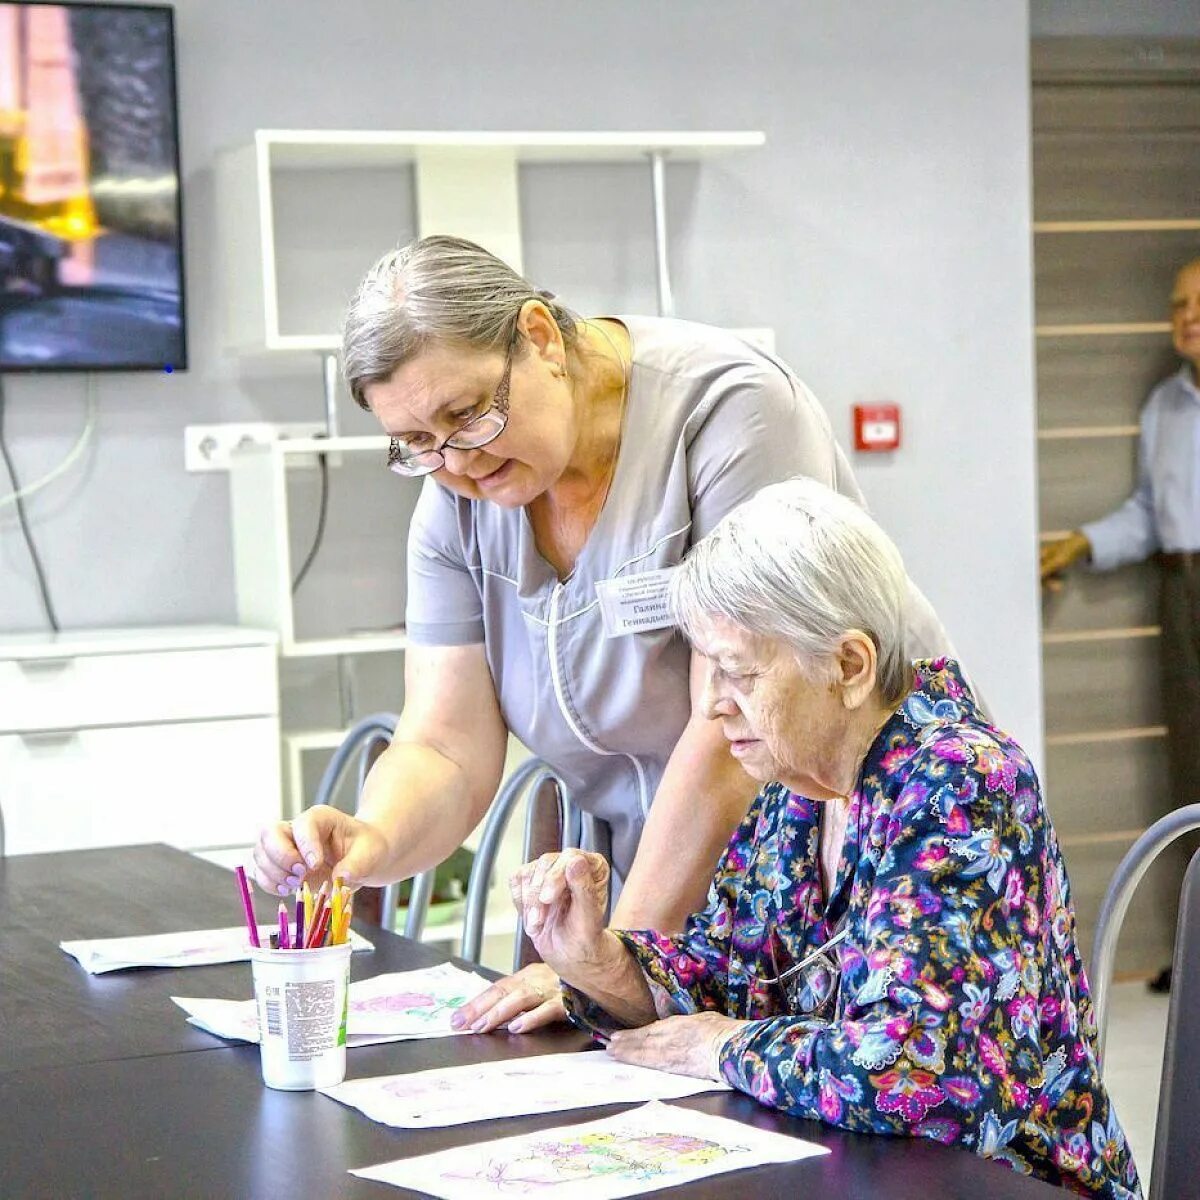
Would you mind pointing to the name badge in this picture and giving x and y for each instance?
(635, 603)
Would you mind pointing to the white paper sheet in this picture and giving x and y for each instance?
(651, 1147)
(514, 1087)
(195, 948)
(386, 1008)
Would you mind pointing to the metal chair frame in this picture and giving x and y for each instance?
(1128, 875)
(1176, 1158)
(362, 738)
(530, 776)
(366, 739)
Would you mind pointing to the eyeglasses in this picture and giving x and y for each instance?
(811, 986)
(417, 454)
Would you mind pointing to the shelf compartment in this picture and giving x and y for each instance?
(465, 181)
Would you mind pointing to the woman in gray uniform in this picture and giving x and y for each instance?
(571, 463)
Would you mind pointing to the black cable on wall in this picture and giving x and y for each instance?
(319, 536)
(23, 520)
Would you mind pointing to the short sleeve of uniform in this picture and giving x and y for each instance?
(444, 607)
(759, 425)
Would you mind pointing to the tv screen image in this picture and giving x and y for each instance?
(91, 247)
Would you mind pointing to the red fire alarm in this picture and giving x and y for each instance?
(876, 426)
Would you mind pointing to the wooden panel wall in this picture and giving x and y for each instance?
(1116, 167)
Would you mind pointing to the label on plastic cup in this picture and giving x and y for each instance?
(303, 999)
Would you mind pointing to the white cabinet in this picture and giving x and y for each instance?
(119, 736)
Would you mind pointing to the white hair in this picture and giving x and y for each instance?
(436, 289)
(799, 563)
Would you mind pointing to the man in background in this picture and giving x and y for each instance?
(1162, 518)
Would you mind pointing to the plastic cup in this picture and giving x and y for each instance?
(303, 997)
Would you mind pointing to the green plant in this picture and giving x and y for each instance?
(449, 880)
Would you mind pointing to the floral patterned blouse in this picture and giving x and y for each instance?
(955, 1007)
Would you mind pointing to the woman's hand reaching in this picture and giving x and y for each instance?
(322, 842)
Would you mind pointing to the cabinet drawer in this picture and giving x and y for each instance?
(122, 689)
(206, 783)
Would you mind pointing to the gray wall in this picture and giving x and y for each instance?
(883, 232)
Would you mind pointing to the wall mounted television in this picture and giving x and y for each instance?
(91, 232)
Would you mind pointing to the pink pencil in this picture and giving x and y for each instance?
(284, 939)
(251, 923)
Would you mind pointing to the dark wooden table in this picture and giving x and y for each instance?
(105, 1090)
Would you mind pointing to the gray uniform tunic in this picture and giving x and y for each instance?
(708, 421)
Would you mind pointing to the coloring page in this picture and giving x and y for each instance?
(635, 1152)
(195, 948)
(513, 1087)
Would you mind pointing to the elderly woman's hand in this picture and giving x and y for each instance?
(562, 899)
(523, 1001)
(688, 1045)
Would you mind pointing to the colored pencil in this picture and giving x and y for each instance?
(306, 892)
(247, 906)
(347, 915)
(336, 919)
(298, 940)
(318, 914)
(320, 902)
(317, 937)
(341, 932)
(285, 942)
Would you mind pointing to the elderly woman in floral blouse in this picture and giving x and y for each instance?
(888, 944)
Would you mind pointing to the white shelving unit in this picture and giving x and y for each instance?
(466, 183)
(262, 555)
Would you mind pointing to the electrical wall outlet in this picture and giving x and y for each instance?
(211, 447)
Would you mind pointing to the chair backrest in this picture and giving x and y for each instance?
(365, 739)
(1176, 1167)
(1176, 1149)
(551, 823)
(546, 829)
(1119, 893)
(364, 742)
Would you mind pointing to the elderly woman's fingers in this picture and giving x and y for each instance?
(538, 887)
(585, 876)
(525, 886)
(529, 988)
(586, 869)
(552, 1012)
(541, 866)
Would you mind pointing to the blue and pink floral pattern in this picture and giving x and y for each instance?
(962, 1013)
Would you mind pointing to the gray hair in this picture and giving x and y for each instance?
(436, 289)
(801, 564)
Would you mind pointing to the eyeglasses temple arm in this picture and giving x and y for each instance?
(811, 958)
